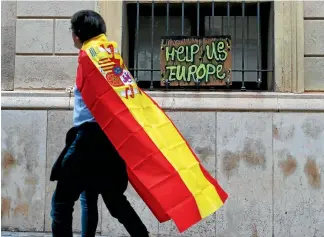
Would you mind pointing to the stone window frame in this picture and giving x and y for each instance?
(288, 39)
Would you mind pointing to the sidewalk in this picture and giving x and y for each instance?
(37, 234)
(40, 234)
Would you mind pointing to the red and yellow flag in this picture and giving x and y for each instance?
(162, 167)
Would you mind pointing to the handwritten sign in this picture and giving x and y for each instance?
(188, 60)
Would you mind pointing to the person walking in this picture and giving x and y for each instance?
(89, 163)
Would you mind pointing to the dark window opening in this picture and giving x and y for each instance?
(252, 48)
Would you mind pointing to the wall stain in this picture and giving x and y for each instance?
(254, 231)
(29, 192)
(275, 133)
(287, 162)
(18, 193)
(313, 174)
(231, 161)
(228, 135)
(5, 207)
(204, 152)
(7, 161)
(290, 133)
(29, 166)
(21, 209)
(288, 166)
(31, 180)
(283, 133)
(313, 128)
(254, 152)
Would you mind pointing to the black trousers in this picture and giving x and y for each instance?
(91, 163)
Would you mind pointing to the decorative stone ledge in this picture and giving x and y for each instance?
(183, 101)
(35, 100)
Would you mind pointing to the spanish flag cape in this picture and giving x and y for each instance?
(161, 166)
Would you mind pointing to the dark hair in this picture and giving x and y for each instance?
(87, 24)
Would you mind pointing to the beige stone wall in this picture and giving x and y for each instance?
(314, 45)
(8, 45)
(38, 52)
(37, 46)
(271, 164)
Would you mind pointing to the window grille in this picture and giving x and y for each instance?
(252, 48)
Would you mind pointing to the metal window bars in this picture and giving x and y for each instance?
(252, 41)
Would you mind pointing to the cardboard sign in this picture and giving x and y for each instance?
(188, 60)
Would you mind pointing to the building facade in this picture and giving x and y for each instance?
(262, 136)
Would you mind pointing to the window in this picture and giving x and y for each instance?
(252, 48)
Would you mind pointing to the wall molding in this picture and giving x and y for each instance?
(180, 101)
(113, 13)
(289, 46)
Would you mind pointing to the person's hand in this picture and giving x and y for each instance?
(69, 89)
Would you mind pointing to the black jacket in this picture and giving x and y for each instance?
(70, 137)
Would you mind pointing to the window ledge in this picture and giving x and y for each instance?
(183, 101)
